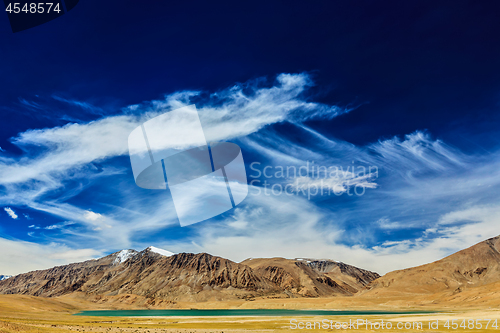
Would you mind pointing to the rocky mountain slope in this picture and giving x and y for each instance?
(475, 266)
(161, 275)
(312, 278)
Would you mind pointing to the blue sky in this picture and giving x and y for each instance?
(411, 90)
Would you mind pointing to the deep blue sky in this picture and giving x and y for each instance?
(425, 67)
(407, 64)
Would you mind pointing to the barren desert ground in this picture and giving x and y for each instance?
(34, 314)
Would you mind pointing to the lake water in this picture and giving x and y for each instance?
(234, 312)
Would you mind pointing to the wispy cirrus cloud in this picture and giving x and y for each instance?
(53, 226)
(61, 162)
(30, 104)
(235, 112)
(83, 105)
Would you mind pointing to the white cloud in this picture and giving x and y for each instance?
(386, 224)
(21, 256)
(68, 147)
(91, 216)
(75, 255)
(238, 224)
(58, 226)
(11, 213)
(337, 185)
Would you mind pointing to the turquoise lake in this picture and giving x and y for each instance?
(234, 312)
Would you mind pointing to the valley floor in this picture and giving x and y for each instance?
(19, 314)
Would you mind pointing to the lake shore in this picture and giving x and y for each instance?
(47, 315)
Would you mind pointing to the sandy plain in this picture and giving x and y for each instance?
(55, 315)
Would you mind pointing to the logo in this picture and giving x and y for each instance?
(171, 151)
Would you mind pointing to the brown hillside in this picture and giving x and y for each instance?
(475, 266)
(312, 278)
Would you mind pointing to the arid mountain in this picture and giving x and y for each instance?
(312, 278)
(473, 267)
(356, 278)
(160, 276)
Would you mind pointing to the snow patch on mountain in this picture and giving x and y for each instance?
(307, 261)
(160, 251)
(124, 255)
(5, 277)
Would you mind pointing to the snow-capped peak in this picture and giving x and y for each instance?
(5, 277)
(124, 255)
(160, 251)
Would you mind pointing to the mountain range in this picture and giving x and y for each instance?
(162, 275)
(159, 277)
